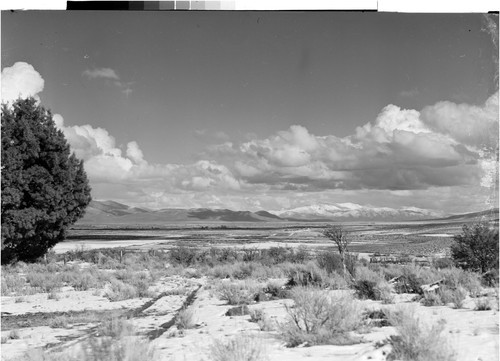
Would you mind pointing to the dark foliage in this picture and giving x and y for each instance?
(277, 292)
(339, 236)
(410, 283)
(184, 256)
(306, 277)
(476, 248)
(367, 290)
(189, 256)
(376, 318)
(44, 186)
(490, 278)
(240, 310)
(332, 262)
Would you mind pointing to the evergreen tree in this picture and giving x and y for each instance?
(476, 248)
(44, 187)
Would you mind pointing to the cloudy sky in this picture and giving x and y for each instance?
(267, 110)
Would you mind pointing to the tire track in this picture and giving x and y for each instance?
(69, 341)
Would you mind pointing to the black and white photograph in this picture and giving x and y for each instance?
(249, 185)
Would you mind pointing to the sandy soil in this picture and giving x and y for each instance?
(473, 334)
(145, 320)
(75, 245)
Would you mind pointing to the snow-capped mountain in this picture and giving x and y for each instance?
(111, 212)
(353, 212)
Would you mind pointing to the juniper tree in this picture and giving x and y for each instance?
(44, 187)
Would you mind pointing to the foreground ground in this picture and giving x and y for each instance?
(472, 334)
(102, 305)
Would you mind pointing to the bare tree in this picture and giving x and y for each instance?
(338, 235)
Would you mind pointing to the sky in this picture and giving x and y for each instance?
(267, 110)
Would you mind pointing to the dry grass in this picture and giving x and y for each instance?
(319, 317)
(431, 299)
(119, 291)
(456, 296)
(127, 348)
(259, 317)
(53, 295)
(128, 285)
(12, 283)
(237, 292)
(139, 271)
(114, 341)
(417, 340)
(14, 335)
(482, 304)
(239, 348)
(185, 319)
(114, 327)
(68, 320)
(24, 279)
(246, 270)
(372, 285)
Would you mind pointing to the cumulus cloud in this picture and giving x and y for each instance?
(105, 162)
(135, 153)
(20, 80)
(426, 155)
(471, 125)
(103, 159)
(402, 149)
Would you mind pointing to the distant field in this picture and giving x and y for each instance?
(420, 237)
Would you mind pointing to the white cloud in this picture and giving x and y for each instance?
(400, 150)
(111, 75)
(106, 73)
(434, 158)
(20, 80)
(468, 124)
(103, 159)
(58, 120)
(135, 153)
(107, 168)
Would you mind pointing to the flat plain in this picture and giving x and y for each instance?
(418, 237)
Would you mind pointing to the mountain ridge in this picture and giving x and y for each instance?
(109, 212)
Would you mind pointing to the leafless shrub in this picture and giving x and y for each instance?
(318, 317)
(185, 319)
(237, 293)
(239, 348)
(416, 340)
(258, 316)
(456, 296)
(482, 304)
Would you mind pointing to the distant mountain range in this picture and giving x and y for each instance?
(110, 212)
(356, 212)
(491, 214)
